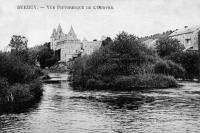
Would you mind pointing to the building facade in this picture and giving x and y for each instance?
(188, 36)
(67, 46)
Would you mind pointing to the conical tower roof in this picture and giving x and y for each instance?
(71, 34)
(71, 31)
(53, 33)
(59, 29)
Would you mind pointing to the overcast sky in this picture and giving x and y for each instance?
(140, 17)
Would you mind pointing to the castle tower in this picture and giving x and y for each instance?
(71, 35)
(53, 38)
(59, 32)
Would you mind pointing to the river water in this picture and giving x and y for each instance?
(64, 110)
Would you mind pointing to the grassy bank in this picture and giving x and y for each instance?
(18, 80)
(123, 64)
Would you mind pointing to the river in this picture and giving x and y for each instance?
(64, 110)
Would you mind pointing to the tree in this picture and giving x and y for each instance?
(19, 47)
(18, 43)
(199, 55)
(107, 41)
(167, 46)
(46, 56)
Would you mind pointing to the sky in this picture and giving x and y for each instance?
(139, 17)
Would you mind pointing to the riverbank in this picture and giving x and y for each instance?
(19, 83)
(21, 97)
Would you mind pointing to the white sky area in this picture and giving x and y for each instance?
(139, 17)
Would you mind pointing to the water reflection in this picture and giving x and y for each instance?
(64, 110)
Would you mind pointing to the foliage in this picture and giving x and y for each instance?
(189, 61)
(167, 67)
(3, 87)
(144, 81)
(107, 41)
(46, 56)
(167, 46)
(18, 43)
(23, 92)
(18, 79)
(125, 56)
(16, 71)
(199, 55)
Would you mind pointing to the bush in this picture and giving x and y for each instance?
(18, 92)
(144, 81)
(167, 67)
(189, 61)
(15, 70)
(46, 56)
(3, 87)
(36, 88)
(123, 63)
(93, 84)
(167, 46)
(18, 79)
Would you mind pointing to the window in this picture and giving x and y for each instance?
(187, 40)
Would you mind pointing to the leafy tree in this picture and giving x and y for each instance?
(18, 43)
(46, 56)
(199, 55)
(189, 61)
(167, 46)
(107, 41)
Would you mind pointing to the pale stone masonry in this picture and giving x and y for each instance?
(188, 36)
(68, 45)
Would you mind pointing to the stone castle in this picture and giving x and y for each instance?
(67, 46)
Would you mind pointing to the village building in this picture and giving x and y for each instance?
(188, 36)
(150, 43)
(67, 46)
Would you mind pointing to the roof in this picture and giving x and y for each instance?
(59, 35)
(150, 43)
(185, 30)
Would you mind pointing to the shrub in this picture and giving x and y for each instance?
(123, 63)
(168, 67)
(17, 81)
(189, 61)
(144, 81)
(16, 71)
(36, 88)
(93, 84)
(3, 87)
(18, 92)
(46, 56)
(167, 46)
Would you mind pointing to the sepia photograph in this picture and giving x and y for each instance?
(99, 66)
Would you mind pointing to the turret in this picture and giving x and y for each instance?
(53, 38)
(71, 34)
(59, 32)
(53, 35)
(59, 29)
